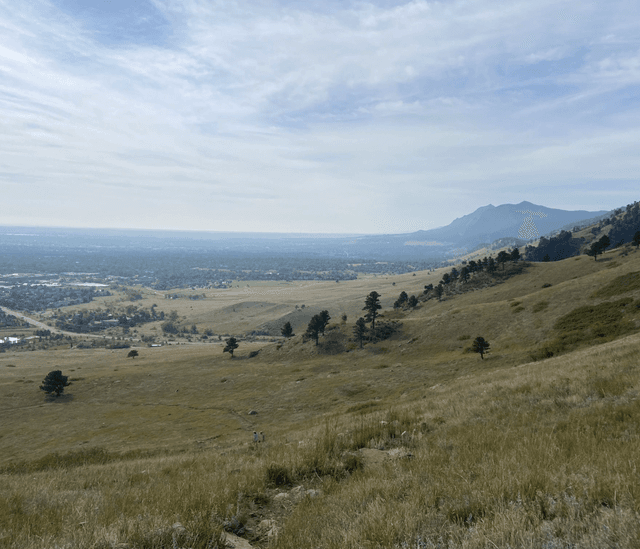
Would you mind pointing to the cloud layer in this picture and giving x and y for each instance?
(326, 116)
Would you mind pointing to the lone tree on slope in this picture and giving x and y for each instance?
(287, 330)
(132, 354)
(55, 382)
(360, 331)
(481, 346)
(231, 346)
(316, 325)
(324, 316)
(372, 305)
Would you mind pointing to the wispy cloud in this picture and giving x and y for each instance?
(313, 116)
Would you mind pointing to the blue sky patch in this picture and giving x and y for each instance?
(119, 22)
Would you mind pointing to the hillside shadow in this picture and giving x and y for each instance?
(63, 398)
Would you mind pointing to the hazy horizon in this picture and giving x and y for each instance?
(253, 234)
(381, 117)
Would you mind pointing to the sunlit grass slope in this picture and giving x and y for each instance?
(504, 452)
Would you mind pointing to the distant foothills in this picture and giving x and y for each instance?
(522, 223)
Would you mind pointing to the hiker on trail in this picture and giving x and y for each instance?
(262, 436)
(255, 437)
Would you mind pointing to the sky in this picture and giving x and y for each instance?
(313, 116)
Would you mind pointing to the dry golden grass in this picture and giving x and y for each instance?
(506, 452)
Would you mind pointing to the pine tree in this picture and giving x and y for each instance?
(232, 345)
(515, 254)
(287, 330)
(316, 325)
(372, 305)
(439, 289)
(402, 298)
(636, 239)
(412, 301)
(55, 382)
(503, 257)
(360, 330)
(481, 346)
(324, 316)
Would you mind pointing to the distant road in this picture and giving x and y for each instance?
(44, 326)
(53, 330)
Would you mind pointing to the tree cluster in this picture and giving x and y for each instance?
(624, 226)
(317, 325)
(598, 247)
(556, 248)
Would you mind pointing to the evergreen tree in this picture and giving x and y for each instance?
(402, 299)
(503, 257)
(464, 274)
(515, 254)
(598, 247)
(316, 325)
(232, 345)
(454, 274)
(287, 330)
(636, 239)
(481, 346)
(412, 301)
(372, 305)
(360, 331)
(324, 316)
(546, 258)
(55, 382)
(439, 289)
(491, 266)
(132, 354)
(446, 278)
(428, 288)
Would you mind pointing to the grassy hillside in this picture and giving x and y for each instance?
(409, 442)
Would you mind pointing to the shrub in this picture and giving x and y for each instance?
(353, 463)
(384, 330)
(278, 475)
